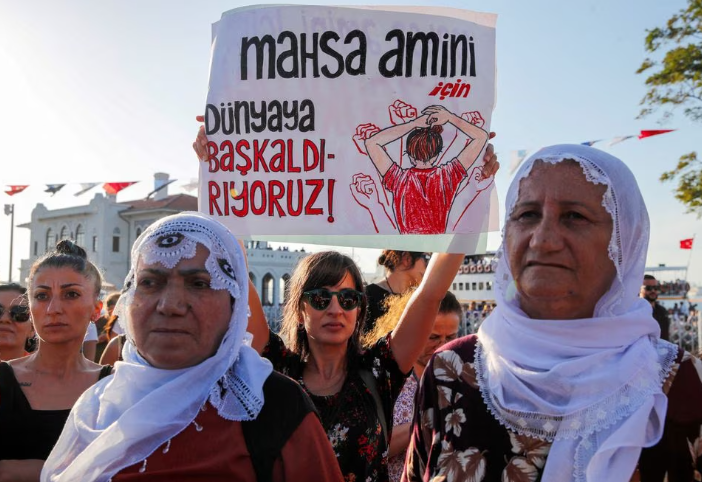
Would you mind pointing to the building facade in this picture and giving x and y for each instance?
(107, 229)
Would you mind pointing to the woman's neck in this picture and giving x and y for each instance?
(419, 369)
(58, 359)
(398, 281)
(327, 360)
(11, 352)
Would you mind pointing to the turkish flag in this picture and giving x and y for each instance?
(115, 187)
(12, 190)
(650, 133)
(686, 244)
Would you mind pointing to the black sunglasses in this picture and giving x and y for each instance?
(652, 288)
(320, 298)
(18, 313)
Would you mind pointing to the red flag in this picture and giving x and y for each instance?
(686, 243)
(645, 134)
(115, 187)
(12, 190)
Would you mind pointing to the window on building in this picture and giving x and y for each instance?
(138, 232)
(49, 240)
(460, 286)
(36, 247)
(474, 286)
(64, 233)
(267, 290)
(95, 244)
(115, 240)
(454, 287)
(488, 285)
(80, 236)
(481, 285)
(467, 286)
(283, 293)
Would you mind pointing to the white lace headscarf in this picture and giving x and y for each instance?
(591, 386)
(122, 419)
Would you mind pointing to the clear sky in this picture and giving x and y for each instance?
(108, 91)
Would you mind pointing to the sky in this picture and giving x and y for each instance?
(108, 91)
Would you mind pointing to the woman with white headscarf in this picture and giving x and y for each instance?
(186, 401)
(568, 379)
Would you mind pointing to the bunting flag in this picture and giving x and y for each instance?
(618, 139)
(14, 189)
(85, 187)
(115, 187)
(645, 134)
(53, 188)
(158, 188)
(517, 158)
(686, 243)
(590, 143)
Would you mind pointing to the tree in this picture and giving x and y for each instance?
(676, 81)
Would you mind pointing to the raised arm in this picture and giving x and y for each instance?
(375, 145)
(477, 136)
(413, 330)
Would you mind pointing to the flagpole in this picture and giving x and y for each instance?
(689, 258)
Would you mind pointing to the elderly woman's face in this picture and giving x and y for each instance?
(177, 320)
(557, 240)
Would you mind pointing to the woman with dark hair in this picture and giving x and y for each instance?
(15, 322)
(38, 391)
(354, 389)
(403, 270)
(106, 326)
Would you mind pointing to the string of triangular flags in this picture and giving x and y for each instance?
(517, 156)
(111, 188)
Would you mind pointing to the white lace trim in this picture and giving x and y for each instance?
(583, 424)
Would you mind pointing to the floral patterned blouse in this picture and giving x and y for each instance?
(402, 414)
(350, 417)
(455, 438)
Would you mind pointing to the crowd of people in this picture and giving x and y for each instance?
(565, 378)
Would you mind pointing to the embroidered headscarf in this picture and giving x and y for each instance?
(592, 387)
(122, 419)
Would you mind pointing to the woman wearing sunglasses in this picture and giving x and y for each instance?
(353, 389)
(38, 391)
(15, 327)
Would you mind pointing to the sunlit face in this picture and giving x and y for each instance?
(416, 272)
(557, 240)
(62, 302)
(650, 294)
(333, 325)
(177, 320)
(13, 334)
(445, 330)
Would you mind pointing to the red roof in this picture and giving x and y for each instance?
(176, 202)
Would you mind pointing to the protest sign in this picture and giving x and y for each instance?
(351, 126)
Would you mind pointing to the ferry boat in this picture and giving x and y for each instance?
(474, 286)
(684, 326)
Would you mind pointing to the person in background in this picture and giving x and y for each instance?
(37, 391)
(105, 335)
(113, 352)
(15, 322)
(446, 326)
(403, 270)
(649, 291)
(90, 342)
(191, 400)
(567, 379)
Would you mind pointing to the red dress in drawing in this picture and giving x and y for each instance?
(424, 193)
(422, 197)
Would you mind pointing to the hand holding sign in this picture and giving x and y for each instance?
(363, 132)
(401, 112)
